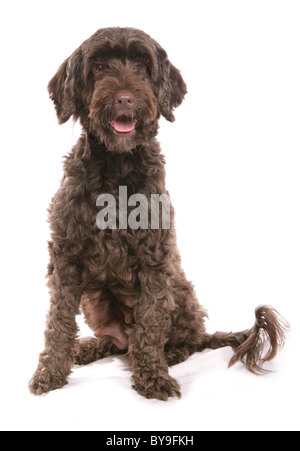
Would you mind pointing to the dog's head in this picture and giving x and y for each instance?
(118, 83)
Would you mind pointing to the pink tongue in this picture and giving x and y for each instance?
(124, 127)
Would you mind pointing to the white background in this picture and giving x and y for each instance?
(233, 169)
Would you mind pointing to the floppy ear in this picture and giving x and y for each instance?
(64, 86)
(172, 87)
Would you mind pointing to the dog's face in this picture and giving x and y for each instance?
(118, 83)
(123, 107)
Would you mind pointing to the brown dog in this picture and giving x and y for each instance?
(123, 266)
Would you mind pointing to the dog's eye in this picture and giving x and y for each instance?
(141, 67)
(97, 68)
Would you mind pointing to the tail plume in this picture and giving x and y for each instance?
(269, 328)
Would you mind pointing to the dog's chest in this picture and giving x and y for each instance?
(88, 186)
(111, 188)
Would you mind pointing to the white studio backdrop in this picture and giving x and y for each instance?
(233, 169)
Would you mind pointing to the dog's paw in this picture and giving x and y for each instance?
(43, 381)
(159, 387)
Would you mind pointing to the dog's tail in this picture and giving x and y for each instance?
(251, 345)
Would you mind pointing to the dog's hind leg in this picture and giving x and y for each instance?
(179, 354)
(88, 350)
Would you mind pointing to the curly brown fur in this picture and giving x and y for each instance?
(128, 283)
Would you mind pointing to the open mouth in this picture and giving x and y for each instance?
(124, 126)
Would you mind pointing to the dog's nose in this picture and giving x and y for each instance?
(125, 100)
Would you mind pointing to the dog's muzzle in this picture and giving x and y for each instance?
(124, 123)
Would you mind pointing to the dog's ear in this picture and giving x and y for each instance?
(172, 87)
(64, 87)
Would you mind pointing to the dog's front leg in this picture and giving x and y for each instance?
(57, 359)
(147, 339)
(150, 371)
